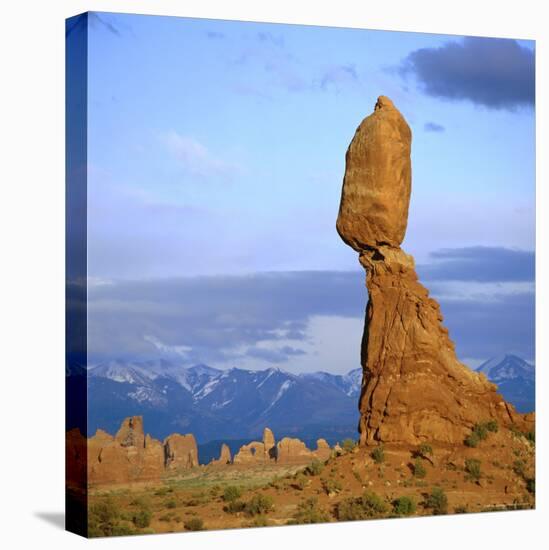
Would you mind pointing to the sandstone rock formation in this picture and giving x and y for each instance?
(414, 388)
(224, 457)
(180, 452)
(377, 184)
(132, 456)
(288, 450)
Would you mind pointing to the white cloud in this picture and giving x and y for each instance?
(180, 350)
(197, 159)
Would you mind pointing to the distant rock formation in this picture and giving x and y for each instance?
(224, 457)
(414, 388)
(288, 450)
(132, 456)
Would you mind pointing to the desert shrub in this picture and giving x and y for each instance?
(491, 426)
(348, 445)
(258, 504)
(231, 493)
(367, 506)
(404, 506)
(425, 449)
(472, 440)
(170, 504)
(519, 467)
(307, 512)
(437, 501)
(419, 469)
(194, 524)
(314, 468)
(166, 517)
(103, 519)
(378, 454)
(531, 485)
(530, 436)
(461, 510)
(142, 517)
(472, 467)
(300, 482)
(123, 530)
(234, 507)
(140, 502)
(481, 430)
(331, 486)
(163, 491)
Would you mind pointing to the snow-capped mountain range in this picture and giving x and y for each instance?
(217, 404)
(236, 403)
(515, 378)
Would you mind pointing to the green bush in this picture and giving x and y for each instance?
(331, 485)
(314, 468)
(404, 506)
(531, 485)
(425, 450)
(142, 517)
(519, 467)
(234, 507)
(194, 524)
(367, 506)
(259, 504)
(170, 504)
(308, 512)
(348, 445)
(530, 436)
(300, 482)
(103, 519)
(491, 426)
(437, 501)
(419, 469)
(378, 454)
(231, 493)
(472, 440)
(472, 467)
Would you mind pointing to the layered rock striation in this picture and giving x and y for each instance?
(414, 388)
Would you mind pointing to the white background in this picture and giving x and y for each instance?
(32, 272)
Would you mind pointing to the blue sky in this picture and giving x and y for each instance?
(216, 154)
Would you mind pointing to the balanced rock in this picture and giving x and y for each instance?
(323, 450)
(377, 184)
(414, 388)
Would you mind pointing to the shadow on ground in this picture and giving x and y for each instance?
(57, 519)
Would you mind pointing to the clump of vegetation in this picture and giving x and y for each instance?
(163, 491)
(300, 482)
(235, 507)
(418, 469)
(367, 506)
(308, 512)
(425, 451)
(259, 521)
(194, 524)
(231, 493)
(142, 517)
(348, 445)
(472, 468)
(314, 468)
(378, 454)
(480, 432)
(519, 467)
(531, 485)
(331, 486)
(104, 520)
(461, 510)
(437, 501)
(170, 504)
(404, 506)
(258, 504)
